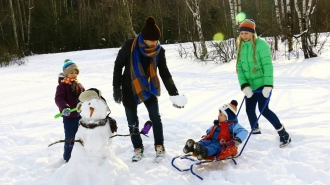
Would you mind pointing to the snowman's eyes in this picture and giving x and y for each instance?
(89, 103)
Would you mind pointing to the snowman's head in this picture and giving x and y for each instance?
(92, 106)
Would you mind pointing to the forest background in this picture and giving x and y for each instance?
(30, 27)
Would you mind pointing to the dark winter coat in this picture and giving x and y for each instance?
(64, 98)
(124, 79)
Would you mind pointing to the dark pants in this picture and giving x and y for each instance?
(251, 104)
(70, 130)
(133, 123)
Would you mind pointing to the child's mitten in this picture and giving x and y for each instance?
(66, 112)
(237, 141)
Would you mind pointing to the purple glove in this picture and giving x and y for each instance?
(146, 127)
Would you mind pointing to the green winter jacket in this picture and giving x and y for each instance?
(263, 76)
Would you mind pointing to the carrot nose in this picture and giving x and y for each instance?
(91, 111)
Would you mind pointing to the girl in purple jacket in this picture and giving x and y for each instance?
(66, 98)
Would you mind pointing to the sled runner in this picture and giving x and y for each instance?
(192, 157)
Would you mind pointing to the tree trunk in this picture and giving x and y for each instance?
(29, 25)
(194, 8)
(239, 6)
(20, 20)
(289, 25)
(127, 10)
(283, 10)
(303, 27)
(233, 17)
(278, 15)
(14, 23)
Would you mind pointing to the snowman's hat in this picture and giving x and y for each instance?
(92, 93)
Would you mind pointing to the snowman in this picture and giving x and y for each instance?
(92, 160)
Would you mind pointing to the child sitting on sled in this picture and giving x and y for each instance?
(222, 138)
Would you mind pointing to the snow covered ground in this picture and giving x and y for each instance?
(301, 99)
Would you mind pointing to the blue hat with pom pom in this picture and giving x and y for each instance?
(229, 110)
(69, 66)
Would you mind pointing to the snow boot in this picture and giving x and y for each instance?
(138, 154)
(285, 138)
(200, 152)
(256, 130)
(160, 153)
(189, 147)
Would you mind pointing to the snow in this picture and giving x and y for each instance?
(301, 99)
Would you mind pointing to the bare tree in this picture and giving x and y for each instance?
(29, 24)
(289, 25)
(193, 6)
(278, 15)
(14, 23)
(127, 10)
(233, 13)
(304, 25)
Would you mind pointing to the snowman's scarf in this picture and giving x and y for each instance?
(102, 122)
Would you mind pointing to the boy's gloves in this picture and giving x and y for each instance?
(117, 95)
(248, 91)
(266, 91)
(66, 112)
(179, 101)
(237, 141)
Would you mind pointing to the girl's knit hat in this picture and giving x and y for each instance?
(229, 110)
(69, 66)
(248, 25)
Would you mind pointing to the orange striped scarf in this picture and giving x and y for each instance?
(144, 84)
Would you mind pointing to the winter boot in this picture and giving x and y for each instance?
(200, 152)
(160, 152)
(189, 147)
(256, 130)
(285, 138)
(138, 154)
(203, 155)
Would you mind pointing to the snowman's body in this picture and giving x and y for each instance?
(96, 140)
(94, 162)
(95, 146)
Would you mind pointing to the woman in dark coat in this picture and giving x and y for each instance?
(139, 83)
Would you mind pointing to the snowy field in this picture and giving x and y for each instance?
(301, 99)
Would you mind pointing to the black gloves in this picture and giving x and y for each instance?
(117, 95)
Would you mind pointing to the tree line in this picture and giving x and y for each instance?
(50, 26)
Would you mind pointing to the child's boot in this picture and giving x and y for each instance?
(189, 147)
(203, 155)
(199, 151)
(285, 138)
